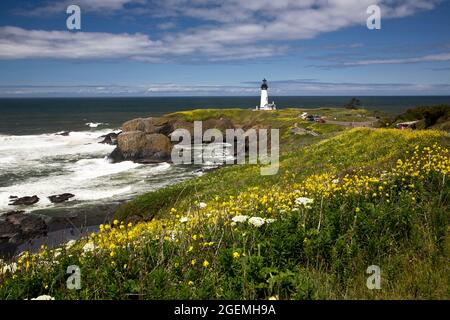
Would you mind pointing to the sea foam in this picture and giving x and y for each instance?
(76, 163)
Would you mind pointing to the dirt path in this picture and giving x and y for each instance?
(354, 124)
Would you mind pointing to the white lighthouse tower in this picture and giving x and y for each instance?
(264, 104)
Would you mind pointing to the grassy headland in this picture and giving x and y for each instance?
(341, 202)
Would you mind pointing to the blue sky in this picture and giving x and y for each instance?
(212, 47)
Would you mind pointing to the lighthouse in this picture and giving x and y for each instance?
(264, 104)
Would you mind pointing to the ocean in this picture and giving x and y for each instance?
(49, 115)
(36, 160)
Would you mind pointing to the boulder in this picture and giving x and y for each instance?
(139, 146)
(24, 201)
(182, 124)
(61, 197)
(148, 125)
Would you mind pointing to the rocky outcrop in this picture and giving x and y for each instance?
(146, 140)
(24, 201)
(16, 227)
(142, 147)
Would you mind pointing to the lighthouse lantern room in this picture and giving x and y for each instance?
(264, 104)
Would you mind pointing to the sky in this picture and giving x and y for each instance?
(224, 47)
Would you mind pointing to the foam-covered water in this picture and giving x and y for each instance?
(51, 164)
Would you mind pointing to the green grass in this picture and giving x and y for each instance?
(356, 148)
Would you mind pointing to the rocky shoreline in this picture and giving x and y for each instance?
(26, 231)
(142, 140)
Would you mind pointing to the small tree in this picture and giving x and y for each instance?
(354, 104)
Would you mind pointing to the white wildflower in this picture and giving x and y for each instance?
(202, 205)
(304, 202)
(11, 268)
(88, 247)
(184, 219)
(43, 297)
(240, 219)
(70, 244)
(270, 220)
(256, 221)
(57, 253)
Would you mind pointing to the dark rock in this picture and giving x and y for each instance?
(110, 138)
(25, 201)
(61, 198)
(30, 225)
(13, 197)
(12, 213)
(16, 227)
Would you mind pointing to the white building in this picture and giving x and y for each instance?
(264, 104)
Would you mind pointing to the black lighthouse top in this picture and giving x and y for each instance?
(264, 85)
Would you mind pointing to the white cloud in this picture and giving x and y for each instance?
(167, 25)
(307, 87)
(227, 30)
(18, 43)
(97, 6)
(427, 58)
